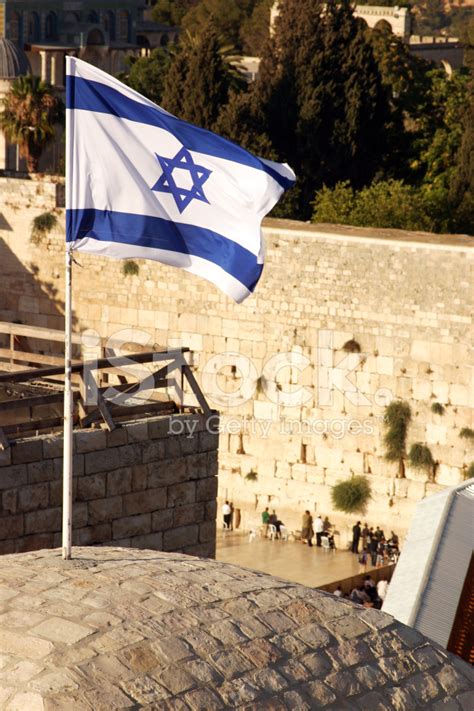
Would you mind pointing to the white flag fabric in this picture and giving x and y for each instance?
(141, 183)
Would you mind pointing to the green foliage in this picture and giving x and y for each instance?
(467, 433)
(351, 346)
(255, 29)
(469, 472)
(30, 111)
(461, 186)
(320, 97)
(130, 268)
(41, 226)
(352, 495)
(198, 82)
(397, 419)
(251, 476)
(227, 17)
(420, 457)
(147, 74)
(171, 12)
(437, 408)
(387, 203)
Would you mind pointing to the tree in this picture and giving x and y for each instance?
(321, 93)
(147, 74)
(255, 29)
(227, 17)
(461, 186)
(388, 203)
(198, 82)
(171, 12)
(30, 112)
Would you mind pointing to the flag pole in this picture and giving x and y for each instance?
(68, 413)
(68, 399)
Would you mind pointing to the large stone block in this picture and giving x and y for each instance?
(31, 498)
(90, 441)
(131, 526)
(42, 470)
(119, 481)
(190, 513)
(11, 527)
(102, 460)
(27, 450)
(206, 489)
(102, 533)
(13, 476)
(46, 521)
(162, 520)
(180, 494)
(167, 471)
(91, 487)
(144, 501)
(103, 510)
(178, 538)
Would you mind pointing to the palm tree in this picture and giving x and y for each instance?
(30, 110)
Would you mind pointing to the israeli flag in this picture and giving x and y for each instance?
(141, 183)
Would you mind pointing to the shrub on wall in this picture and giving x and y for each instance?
(469, 472)
(467, 433)
(420, 457)
(437, 408)
(352, 495)
(130, 268)
(397, 418)
(41, 226)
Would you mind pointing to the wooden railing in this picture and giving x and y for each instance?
(94, 397)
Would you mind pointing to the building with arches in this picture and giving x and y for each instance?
(47, 30)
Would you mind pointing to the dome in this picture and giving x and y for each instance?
(13, 60)
(118, 628)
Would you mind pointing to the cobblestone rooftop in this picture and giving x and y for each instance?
(119, 628)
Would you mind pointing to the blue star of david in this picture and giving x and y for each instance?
(183, 160)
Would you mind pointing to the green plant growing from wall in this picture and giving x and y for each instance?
(352, 495)
(437, 408)
(420, 457)
(397, 419)
(351, 346)
(251, 476)
(41, 226)
(130, 268)
(469, 471)
(467, 433)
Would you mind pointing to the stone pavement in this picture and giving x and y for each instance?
(288, 559)
(133, 629)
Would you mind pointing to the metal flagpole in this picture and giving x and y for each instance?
(68, 413)
(68, 400)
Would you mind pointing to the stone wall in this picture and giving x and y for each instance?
(405, 298)
(136, 486)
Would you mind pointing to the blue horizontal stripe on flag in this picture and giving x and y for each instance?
(157, 233)
(94, 96)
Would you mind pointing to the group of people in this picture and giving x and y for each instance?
(320, 528)
(271, 519)
(369, 594)
(375, 545)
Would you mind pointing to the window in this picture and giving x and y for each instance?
(51, 27)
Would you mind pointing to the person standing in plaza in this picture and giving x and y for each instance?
(227, 515)
(356, 531)
(365, 536)
(265, 521)
(307, 528)
(319, 528)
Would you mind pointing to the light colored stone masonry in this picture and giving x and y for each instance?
(406, 298)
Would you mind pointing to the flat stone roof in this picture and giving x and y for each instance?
(121, 628)
(368, 232)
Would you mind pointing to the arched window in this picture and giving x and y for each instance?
(51, 27)
(124, 26)
(15, 27)
(164, 40)
(109, 24)
(93, 17)
(33, 33)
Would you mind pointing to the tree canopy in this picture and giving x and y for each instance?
(30, 112)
